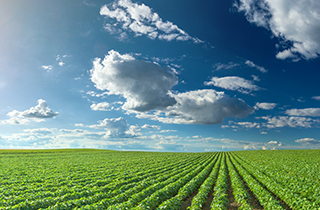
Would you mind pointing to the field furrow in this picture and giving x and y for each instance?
(264, 196)
(206, 188)
(98, 179)
(291, 199)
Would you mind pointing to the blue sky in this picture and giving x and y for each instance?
(160, 75)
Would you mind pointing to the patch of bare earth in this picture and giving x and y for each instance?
(187, 202)
(253, 201)
(207, 204)
(232, 203)
(283, 204)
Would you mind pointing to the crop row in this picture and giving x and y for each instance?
(295, 201)
(87, 194)
(264, 197)
(201, 197)
(240, 194)
(123, 194)
(135, 180)
(298, 183)
(184, 192)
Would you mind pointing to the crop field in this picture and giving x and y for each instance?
(103, 179)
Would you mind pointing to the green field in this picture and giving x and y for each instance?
(104, 179)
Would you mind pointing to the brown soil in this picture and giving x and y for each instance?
(283, 204)
(232, 203)
(187, 202)
(207, 204)
(253, 201)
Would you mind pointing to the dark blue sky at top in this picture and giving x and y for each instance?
(35, 32)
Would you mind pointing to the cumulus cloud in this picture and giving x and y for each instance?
(233, 83)
(307, 141)
(147, 126)
(94, 94)
(260, 68)
(207, 107)
(275, 143)
(201, 107)
(61, 63)
(37, 113)
(295, 22)
(264, 105)
(147, 86)
(48, 67)
(117, 127)
(41, 131)
(285, 121)
(311, 112)
(248, 124)
(285, 54)
(124, 17)
(40, 111)
(15, 121)
(103, 106)
(143, 84)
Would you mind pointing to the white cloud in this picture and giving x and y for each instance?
(133, 131)
(311, 112)
(144, 85)
(41, 131)
(37, 114)
(229, 144)
(59, 59)
(147, 126)
(295, 22)
(79, 124)
(201, 107)
(284, 121)
(147, 87)
(260, 68)
(266, 106)
(285, 54)
(233, 83)
(255, 78)
(220, 66)
(141, 20)
(167, 131)
(316, 98)
(307, 141)
(207, 107)
(94, 94)
(72, 130)
(48, 68)
(248, 124)
(275, 143)
(40, 111)
(116, 127)
(103, 106)
(15, 121)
